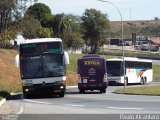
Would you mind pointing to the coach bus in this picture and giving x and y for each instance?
(136, 70)
(92, 74)
(42, 66)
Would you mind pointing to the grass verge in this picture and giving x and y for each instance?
(146, 90)
(156, 76)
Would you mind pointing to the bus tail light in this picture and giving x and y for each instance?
(79, 78)
(105, 77)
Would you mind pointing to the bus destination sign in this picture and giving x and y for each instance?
(39, 48)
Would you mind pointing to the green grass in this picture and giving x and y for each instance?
(73, 62)
(156, 73)
(147, 90)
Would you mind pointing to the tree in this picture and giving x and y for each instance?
(76, 40)
(60, 27)
(39, 20)
(39, 11)
(30, 27)
(95, 25)
(45, 32)
(67, 27)
(10, 16)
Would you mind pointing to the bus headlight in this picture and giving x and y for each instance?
(26, 90)
(61, 82)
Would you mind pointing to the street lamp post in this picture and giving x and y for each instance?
(121, 38)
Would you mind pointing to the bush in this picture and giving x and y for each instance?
(4, 94)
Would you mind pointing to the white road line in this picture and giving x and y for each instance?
(114, 99)
(119, 108)
(20, 111)
(71, 87)
(2, 102)
(74, 105)
(33, 101)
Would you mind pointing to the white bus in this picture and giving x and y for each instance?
(136, 70)
(42, 66)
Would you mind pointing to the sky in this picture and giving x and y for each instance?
(129, 9)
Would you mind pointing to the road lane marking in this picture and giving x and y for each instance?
(20, 111)
(75, 105)
(33, 101)
(115, 99)
(2, 102)
(121, 108)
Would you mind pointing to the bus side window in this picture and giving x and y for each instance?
(128, 64)
(148, 65)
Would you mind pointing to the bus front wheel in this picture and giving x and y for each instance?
(61, 94)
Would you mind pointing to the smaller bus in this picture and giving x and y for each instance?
(136, 70)
(92, 74)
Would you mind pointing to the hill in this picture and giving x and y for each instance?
(149, 28)
(9, 74)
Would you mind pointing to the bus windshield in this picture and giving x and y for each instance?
(42, 66)
(114, 68)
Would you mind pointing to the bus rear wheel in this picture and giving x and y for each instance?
(102, 90)
(145, 80)
(81, 91)
(142, 81)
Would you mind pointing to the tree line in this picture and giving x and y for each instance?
(37, 21)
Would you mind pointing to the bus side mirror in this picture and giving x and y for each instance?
(16, 61)
(66, 58)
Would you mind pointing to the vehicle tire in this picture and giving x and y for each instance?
(81, 91)
(61, 94)
(142, 81)
(26, 96)
(145, 80)
(102, 90)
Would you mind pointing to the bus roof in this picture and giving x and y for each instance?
(37, 40)
(91, 56)
(129, 59)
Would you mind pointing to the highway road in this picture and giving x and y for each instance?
(156, 62)
(90, 103)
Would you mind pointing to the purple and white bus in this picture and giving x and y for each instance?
(92, 74)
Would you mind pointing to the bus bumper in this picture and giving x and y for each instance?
(114, 80)
(100, 86)
(38, 89)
